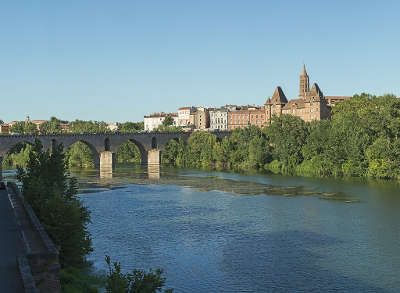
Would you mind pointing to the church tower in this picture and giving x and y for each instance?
(304, 83)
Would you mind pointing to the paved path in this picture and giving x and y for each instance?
(10, 245)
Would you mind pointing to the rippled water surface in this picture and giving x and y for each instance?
(225, 232)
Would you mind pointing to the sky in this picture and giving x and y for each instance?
(120, 60)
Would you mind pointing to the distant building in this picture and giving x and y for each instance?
(153, 121)
(311, 104)
(257, 117)
(113, 126)
(219, 119)
(4, 128)
(184, 116)
(64, 127)
(245, 116)
(36, 122)
(238, 119)
(333, 100)
(201, 118)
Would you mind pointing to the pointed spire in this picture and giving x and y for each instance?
(304, 73)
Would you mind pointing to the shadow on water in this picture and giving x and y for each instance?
(283, 262)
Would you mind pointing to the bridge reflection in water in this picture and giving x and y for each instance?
(153, 171)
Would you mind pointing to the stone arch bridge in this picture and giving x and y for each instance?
(104, 146)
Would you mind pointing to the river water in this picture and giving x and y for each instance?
(227, 232)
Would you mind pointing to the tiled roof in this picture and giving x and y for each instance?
(278, 97)
(298, 103)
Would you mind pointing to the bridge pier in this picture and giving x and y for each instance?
(154, 157)
(107, 161)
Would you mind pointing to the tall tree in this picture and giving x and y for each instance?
(47, 187)
(52, 126)
(168, 121)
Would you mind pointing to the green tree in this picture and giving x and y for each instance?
(128, 152)
(130, 127)
(52, 126)
(18, 127)
(91, 127)
(79, 155)
(138, 281)
(168, 121)
(221, 153)
(47, 187)
(287, 135)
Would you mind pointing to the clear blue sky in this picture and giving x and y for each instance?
(119, 60)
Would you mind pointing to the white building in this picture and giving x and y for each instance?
(219, 119)
(184, 118)
(153, 121)
(112, 126)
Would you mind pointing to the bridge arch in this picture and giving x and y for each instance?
(142, 150)
(95, 154)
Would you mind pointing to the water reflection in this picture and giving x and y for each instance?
(154, 172)
(106, 173)
(202, 181)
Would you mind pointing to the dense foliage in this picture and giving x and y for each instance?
(52, 126)
(130, 127)
(24, 127)
(128, 152)
(79, 155)
(52, 195)
(18, 155)
(91, 127)
(138, 281)
(362, 139)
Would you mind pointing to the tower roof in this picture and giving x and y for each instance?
(316, 91)
(304, 70)
(278, 97)
(315, 88)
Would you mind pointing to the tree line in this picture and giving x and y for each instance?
(362, 139)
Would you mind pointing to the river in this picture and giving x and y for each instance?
(228, 232)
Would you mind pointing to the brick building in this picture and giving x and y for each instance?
(311, 104)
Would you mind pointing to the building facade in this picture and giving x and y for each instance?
(257, 117)
(201, 118)
(155, 120)
(238, 119)
(219, 119)
(184, 116)
(4, 128)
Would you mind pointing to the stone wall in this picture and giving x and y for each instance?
(40, 261)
